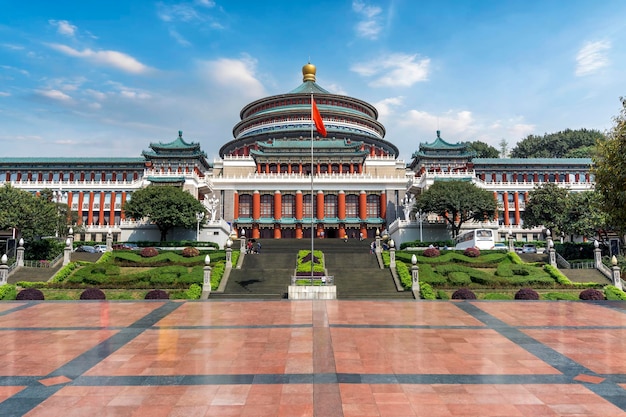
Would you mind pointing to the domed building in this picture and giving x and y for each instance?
(283, 179)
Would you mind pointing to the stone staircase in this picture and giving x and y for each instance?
(25, 273)
(585, 275)
(268, 275)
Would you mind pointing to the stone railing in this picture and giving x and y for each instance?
(560, 261)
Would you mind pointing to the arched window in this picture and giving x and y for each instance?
(267, 205)
(330, 205)
(372, 207)
(245, 205)
(352, 205)
(289, 205)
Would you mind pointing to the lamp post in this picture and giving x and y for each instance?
(199, 217)
(58, 196)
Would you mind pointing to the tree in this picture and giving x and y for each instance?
(565, 144)
(457, 202)
(504, 148)
(34, 216)
(483, 150)
(546, 207)
(610, 172)
(166, 206)
(584, 215)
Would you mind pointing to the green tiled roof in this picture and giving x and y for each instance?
(306, 143)
(166, 179)
(440, 144)
(532, 161)
(308, 87)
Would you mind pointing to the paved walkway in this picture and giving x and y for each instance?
(313, 358)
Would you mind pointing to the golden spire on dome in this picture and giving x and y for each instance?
(308, 72)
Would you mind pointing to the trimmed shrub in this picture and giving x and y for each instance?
(611, 292)
(591, 294)
(497, 296)
(472, 252)
(30, 294)
(426, 291)
(431, 253)
(463, 294)
(555, 296)
(190, 252)
(442, 295)
(194, 292)
(157, 295)
(93, 294)
(459, 278)
(149, 252)
(8, 292)
(526, 294)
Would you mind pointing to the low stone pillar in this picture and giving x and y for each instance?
(242, 248)
(511, 242)
(392, 253)
(378, 248)
(109, 241)
(616, 273)
(597, 254)
(551, 250)
(229, 254)
(415, 278)
(4, 270)
(20, 253)
(206, 284)
(67, 251)
(70, 236)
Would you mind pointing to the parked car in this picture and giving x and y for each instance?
(100, 248)
(86, 248)
(529, 248)
(500, 246)
(125, 246)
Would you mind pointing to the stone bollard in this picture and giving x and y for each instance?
(20, 253)
(4, 270)
(597, 254)
(511, 242)
(378, 248)
(415, 278)
(67, 251)
(551, 250)
(616, 273)
(392, 253)
(70, 236)
(229, 254)
(206, 284)
(109, 241)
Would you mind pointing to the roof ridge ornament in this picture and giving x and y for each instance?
(180, 134)
(308, 72)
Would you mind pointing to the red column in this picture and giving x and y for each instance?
(577, 177)
(535, 177)
(277, 231)
(299, 209)
(298, 231)
(516, 202)
(90, 212)
(258, 167)
(256, 206)
(351, 168)
(566, 177)
(505, 199)
(556, 177)
(546, 178)
(362, 205)
(341, 205)
(525, 176)
(122, 215)
(80, 208)
(101, 212)
(69, 206)
(236, 205)
(278, 206)
(112, 209)
(256, 233)
(320, 205)
(526, 197)
(383, 205)
(586, 177)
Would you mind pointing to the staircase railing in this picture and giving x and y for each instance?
(560, 261)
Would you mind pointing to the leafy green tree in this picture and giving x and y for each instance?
(584, 215)
(483, 150)
(610, 172)
(166, 206)
(34, 216)
(558, 145)
(457, 202)
(546, 207)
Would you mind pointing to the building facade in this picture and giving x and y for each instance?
(278, 178)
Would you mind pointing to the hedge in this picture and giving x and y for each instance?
(611, 292)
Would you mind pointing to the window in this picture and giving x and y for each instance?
(267, 205)
(352, 205)
(372, 206)
(245, 205)
(330, 205)
(306, 205)
(289, 206)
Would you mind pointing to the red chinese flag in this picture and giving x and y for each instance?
(317, 118)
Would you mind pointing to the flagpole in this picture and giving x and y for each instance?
(312, 205)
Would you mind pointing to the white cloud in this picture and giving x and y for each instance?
(184, 12)
(114, 59)
(385, 106)
(206, 3)
(592, 57)
(237, 74)
(370, 26)
(64, 27)
(134, 95)
(179, 38)
(4, 94)
(336, 89)
(395, 70)
(98, 95)
(54, 95)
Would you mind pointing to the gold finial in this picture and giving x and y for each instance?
(308, 72)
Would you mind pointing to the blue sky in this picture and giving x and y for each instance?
(108, 78)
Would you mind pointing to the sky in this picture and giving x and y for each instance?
(107, 78)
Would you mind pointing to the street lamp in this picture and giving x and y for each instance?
(58, 196)
(199, 217)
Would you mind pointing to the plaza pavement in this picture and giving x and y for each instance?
(312, 358)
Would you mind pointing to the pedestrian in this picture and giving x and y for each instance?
(258, 247)
(360, 236)
(372, 247)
